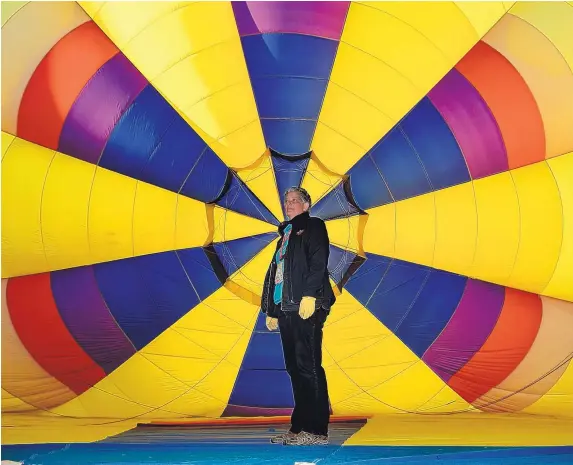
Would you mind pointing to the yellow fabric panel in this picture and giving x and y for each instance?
(9, 9)
(24, 170)
(468, 429)
(233, 320)
(228, 225)
(412, 389)
(22, 376)
(542, 366)
(176, 33)
(498, 228)
(105, 400)
(363, 129)
(546, 73)
(317, 180)
(91, 7)
(192, 228)
(260, 178)
(508, 5)
(483, 16)
(64, 213)
(424, 23)
(191, 52)
(553, 19)
(380, 231)
(506, 228)
(366, 368)
(347, 233)
(541, 228)
(7, 139)
(14, 404)
(456, 228)
(560, 284)
(24, 428)
(137, 387)
(250, 277)
(384, 376)
(129, 217)
(390, 55)
(249, 136)
(416, 229)
(50, 21)
(445, 401)
(154, 216)
(110, 221)
(111, 16)
(360, 74)
(346, 394)
(214, 116)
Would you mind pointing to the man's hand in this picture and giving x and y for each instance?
(272, 323)
(306, 308)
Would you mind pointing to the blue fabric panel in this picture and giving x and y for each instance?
(288, 136)
(264, 352)
(288, 173)
(137, 133)
(239, 198)
(397, 291)
(289, 55)
(436, 146)
(86, 316)
(432, 310)
(199, 270)
(364, 281)
(174, 156)
(207, 178)
(263, 388)
(367, 186)
(146, 294)
(288, 97)
(333, 205)
(339, 261)
(263, 366)
(234, 254)
(400, 166)
(128, 299)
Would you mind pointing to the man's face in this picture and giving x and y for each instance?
(294, 206)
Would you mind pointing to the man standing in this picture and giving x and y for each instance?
(297, 298)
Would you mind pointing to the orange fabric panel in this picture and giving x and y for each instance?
(58, 80)
(511, 102)
(504, 349)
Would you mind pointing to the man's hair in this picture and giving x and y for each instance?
(302, 193)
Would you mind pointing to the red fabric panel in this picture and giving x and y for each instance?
(58, 80)
(510, 101)
(504, 349)
(38, 324)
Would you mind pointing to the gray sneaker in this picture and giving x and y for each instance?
(281, 438)
(307, 439)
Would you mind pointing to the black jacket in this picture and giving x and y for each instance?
(305, 267)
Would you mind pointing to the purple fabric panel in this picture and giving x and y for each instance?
(468, 329)
(243, 411)
(472, 123)
(322, 19)
(88, 319)
(99, 107)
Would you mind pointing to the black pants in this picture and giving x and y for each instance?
(302, 348)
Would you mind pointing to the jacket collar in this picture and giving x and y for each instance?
(298, 222)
